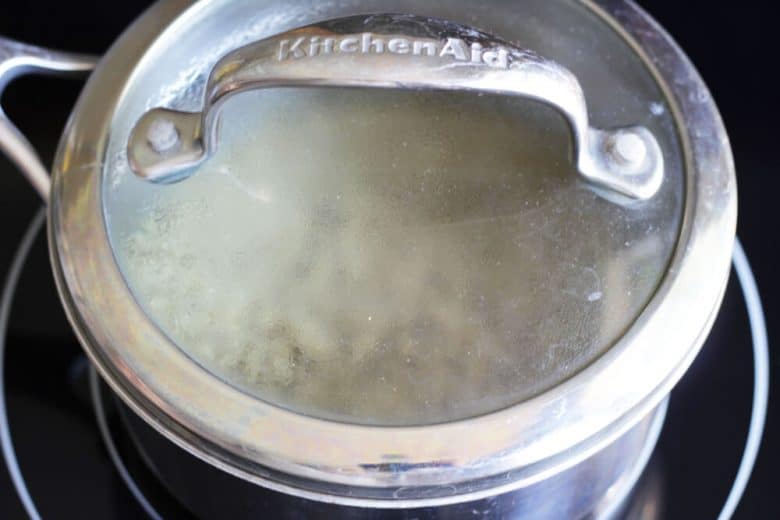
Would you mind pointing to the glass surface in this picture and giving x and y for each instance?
(397, 258)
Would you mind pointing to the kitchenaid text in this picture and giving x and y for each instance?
(368, 43)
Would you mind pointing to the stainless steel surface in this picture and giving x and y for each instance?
(17, 59)
(595, 489)
(369, 466)
(400, 52)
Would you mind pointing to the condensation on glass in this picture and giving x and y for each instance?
(402, 258)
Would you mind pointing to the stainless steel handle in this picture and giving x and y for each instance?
(401, 52)
(17, 59)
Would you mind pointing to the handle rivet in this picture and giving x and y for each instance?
(627, 149)
(162, 135)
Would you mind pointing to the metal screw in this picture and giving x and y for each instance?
(627, 150)
(162, 135)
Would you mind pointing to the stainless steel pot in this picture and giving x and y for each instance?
(617, 275)
(601, 486)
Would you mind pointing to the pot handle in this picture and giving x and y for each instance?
(17, 59)
(400, 52)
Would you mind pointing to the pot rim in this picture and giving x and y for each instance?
(394, 466)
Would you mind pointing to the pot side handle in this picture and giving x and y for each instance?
(396, 52)
(17, 59)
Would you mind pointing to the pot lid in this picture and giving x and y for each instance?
(392, 257)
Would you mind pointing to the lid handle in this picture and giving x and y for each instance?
(399, 52)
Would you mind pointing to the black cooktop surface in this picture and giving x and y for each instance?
(52, 420)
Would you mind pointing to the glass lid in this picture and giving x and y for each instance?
(394, 257)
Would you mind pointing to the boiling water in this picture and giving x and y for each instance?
(375, 257)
